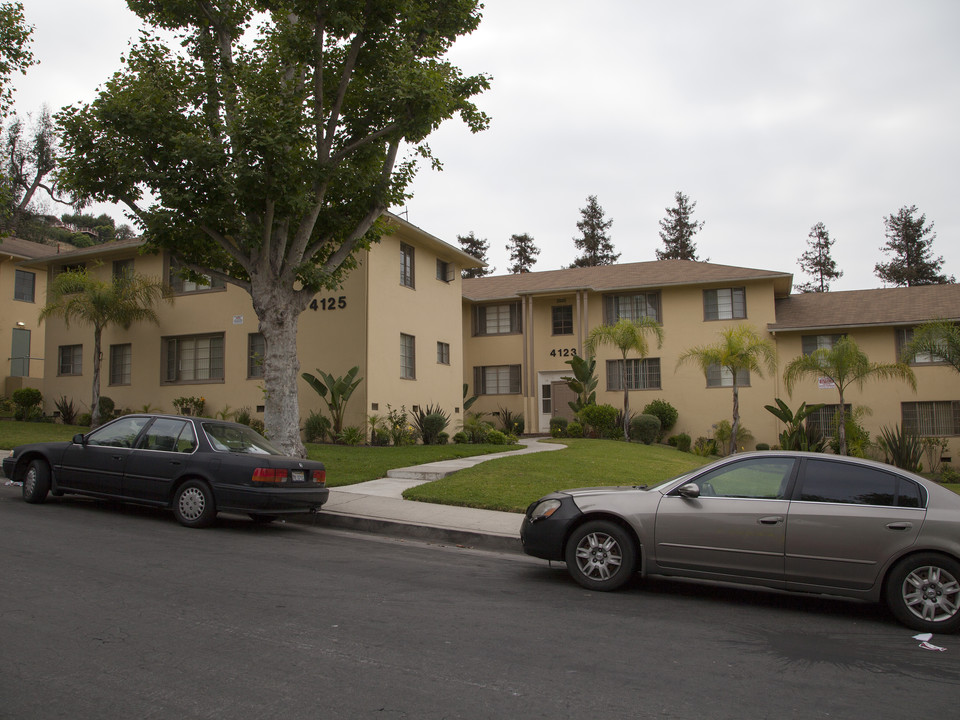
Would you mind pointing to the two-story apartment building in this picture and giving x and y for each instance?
(397, 317)
(23, 291)
(520, 331)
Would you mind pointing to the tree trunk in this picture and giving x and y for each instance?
(736, 416)
(278, 309)
(95, 399)
(626, 400)
(842, 426)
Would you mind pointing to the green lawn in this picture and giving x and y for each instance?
(513, 483)
(348, 465)
(13, 433)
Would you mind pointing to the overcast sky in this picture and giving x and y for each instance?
(772, 115)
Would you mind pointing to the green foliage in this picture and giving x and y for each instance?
(910, 242)
(763, 446)
(575, 430)
(27, 404)
(666, 412)
(933, 450)
(594, 244)
(316, 427)
(949, 475)
(645, 428)
(460, 438)
(938, 339)
(599, 420)
(256, 424)
(510, 421)
(468, 401)
(476, 428)
(816, 261)
(495, 437)
(15, 53)
(281, 130)
(398, 427)
(844, 364)
(430, 421)
(558, 426)
(242, 416)
(798, 435)
(583, 382)
(351, 435)
(523, 253)
(722, 432)
(478, 248)
(84, 419)
(705, 446)
(681, 442)
(107, 409)
(857, 437)
(339, 389)
(190, 405)
(677, 231)
(900, 448)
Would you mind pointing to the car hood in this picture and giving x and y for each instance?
(606, 490)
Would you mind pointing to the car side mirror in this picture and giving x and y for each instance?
(78, 439)
(690, 490)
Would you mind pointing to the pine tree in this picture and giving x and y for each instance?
(523, 253)
(594, 243)
(910, 241)
(472, 245)
(816, 261)
(677, 230)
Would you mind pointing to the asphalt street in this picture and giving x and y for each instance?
(118, 612)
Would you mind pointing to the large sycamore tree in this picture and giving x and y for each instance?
(263, 145)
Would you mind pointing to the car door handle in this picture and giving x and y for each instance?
(771, 520)
(900, 525)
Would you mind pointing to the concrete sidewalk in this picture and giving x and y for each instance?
(378, 506)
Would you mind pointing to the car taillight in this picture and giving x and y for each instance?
(320, 476)
(269, 475)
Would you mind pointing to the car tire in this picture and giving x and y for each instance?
(601, 555)
(923, 592)
(262, 519)
(193, 504)
(36, 482)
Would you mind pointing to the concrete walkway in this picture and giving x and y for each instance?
(378, 506)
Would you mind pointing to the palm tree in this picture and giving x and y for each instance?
(627, 336)
(75, 296)
(940, 339)
(843, 364)
(740, 348)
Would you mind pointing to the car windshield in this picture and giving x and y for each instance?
(225, 437)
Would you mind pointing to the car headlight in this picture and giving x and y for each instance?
(544, 509)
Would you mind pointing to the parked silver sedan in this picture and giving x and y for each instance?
(803, 522)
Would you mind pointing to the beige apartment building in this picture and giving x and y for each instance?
(23, 291)
(397, 317)
(520, 331)
(419, 333)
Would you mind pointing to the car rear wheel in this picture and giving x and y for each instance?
(36, 482)
(193, 504)
(601, 555)
(923, 592)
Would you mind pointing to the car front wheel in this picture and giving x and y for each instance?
(601, 555)
(923, 592)
(36, 482)
(193, 504)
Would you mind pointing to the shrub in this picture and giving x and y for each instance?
(189, 405)
(431, 425)
(68, 413)
(430, 421)
(84, 419)
(558, 426)
(476, 428)
(495, 437)
(705, 446)
(601, 419)
(763, 446)
(933, 450)
(27, 404)
(858, 437)
(443, 438)
(460, 438)
(682, 442)
(901, 448)
(575, 430)
(949, 475)
(645, 428)
(256, 424)
(242, 416)
(351, 435)
(107, 409)
(316, 428)
(666, 412)
(721, 434)
(510, 421)
(379, 437)
(401, 431)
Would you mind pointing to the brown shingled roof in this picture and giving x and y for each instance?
(858, 308)
(25, 249)
(654, 274)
